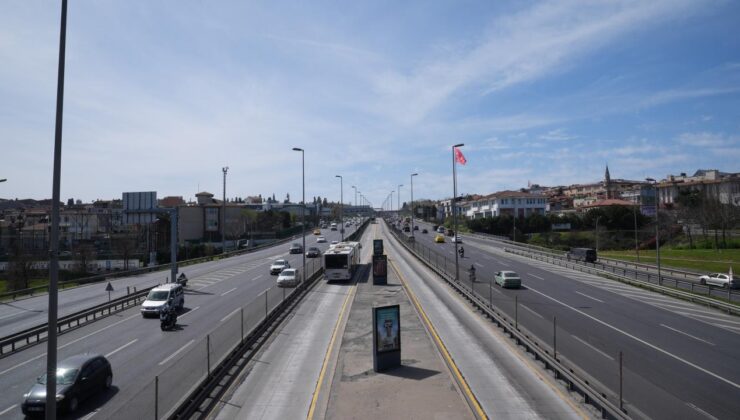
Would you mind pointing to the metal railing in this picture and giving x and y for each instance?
(609, 404)
(70, 284)
(693, 292)
(21, 340)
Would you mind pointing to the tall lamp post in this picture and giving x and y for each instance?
(303, 204)
(454, 208)
(341, 205)
(657, 227)
(223, 214)
(398, 198)
(412, 202)
(355, 188)
(51, 343)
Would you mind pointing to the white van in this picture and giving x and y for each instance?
(158, 297)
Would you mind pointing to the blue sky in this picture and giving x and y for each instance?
(161, 95)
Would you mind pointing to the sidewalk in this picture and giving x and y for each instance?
(422, 388)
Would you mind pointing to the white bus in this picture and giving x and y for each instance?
(341, 260)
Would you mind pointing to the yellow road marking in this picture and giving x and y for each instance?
(451, 363)
(314, 399)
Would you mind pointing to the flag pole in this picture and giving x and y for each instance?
(454, 209)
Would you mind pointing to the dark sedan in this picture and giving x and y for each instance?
(313, 252)
(78, 377)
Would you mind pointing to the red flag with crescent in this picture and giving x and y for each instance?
(459, 157)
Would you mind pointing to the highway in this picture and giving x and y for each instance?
(138, 350)
(680, 359)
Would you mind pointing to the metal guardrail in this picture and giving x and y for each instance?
(29, 292)
(203, 397)
(21, 340)
(682, 279)
(562, 372)
(671, 291)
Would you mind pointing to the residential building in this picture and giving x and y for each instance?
(713, 183)
(521, 204)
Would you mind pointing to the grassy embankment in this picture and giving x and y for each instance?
(699, 260)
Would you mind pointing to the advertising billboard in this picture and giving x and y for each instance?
(387, 328)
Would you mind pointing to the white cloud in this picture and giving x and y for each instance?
(558, 134)
(706, 139)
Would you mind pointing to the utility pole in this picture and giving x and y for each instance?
(341, 205)
(399, 199)
(412, 202)
(223, 215)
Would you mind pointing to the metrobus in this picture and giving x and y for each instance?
(341, 260)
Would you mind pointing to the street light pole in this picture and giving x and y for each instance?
(223, 215)
(596, 233)
(303, 204)
(454, 209)
(355, 188)
(399, 199)
(341, 205)
(51, 344)
(412, 202)
(657, 227)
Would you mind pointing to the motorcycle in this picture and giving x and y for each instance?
(168, 317)
(461, 251)
(182, 280)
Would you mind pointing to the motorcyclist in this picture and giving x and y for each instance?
(461, 251)
(182, 279)
(168, 315)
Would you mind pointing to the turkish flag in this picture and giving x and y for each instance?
(459, 157)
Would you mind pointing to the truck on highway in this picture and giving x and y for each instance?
(341, 260)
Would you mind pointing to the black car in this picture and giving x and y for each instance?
(313, 252)
(296, 249)
(416, 227)
(78, 377)
(424, 231)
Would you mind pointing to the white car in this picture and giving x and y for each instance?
(290, 277)
(321, 240)
(159, 296)
(334, 242)
(278, 266)
(721, 280)
(457, 239)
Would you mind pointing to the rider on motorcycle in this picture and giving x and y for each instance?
(168, 315)
(461, 251)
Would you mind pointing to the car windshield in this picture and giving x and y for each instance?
(280, 262)
(288, 272)
(511, 275)
(158, 295)
(64, 377)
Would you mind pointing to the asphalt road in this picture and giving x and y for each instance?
(29, 312)
(680, 359)
(138, 350)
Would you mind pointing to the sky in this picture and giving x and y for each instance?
(160, 95)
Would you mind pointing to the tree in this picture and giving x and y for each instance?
(20, 267)
(125, 246)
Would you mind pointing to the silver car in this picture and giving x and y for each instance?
(721, 280)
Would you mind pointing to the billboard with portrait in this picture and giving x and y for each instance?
(387, 328)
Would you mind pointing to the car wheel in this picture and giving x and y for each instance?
(73, 403)
(702, 282)
(108, 381)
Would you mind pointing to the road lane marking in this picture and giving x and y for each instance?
(695, 408)
(592, 347)
(230, 314)
(189, 312)
(258, 277)
(122, 347)
(639, 340)
(65, 345)
(590, 297)
(530, 310)
(9, 315)
(176, 353)
(686, 334)
(443, 349)
(227, 292)
(325, 363)
(535, 276)
(479, 264)
(8, 409)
